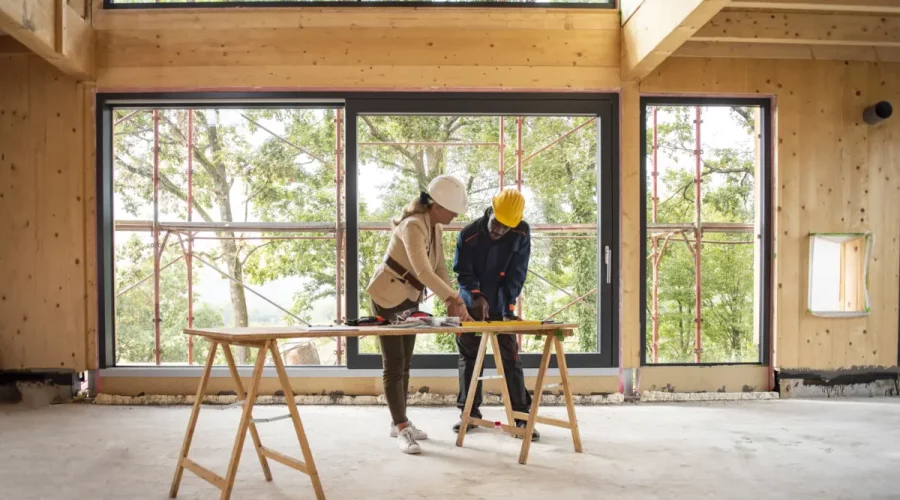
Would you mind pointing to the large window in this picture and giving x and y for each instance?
(608, 4)
(707, 242)
(245, 215)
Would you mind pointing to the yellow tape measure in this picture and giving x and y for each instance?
(499, 323)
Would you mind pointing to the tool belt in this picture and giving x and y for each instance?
(404, 275)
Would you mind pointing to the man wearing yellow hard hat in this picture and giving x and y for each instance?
(491, 264)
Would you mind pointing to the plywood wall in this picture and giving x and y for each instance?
(46, 217)
(834, 173)
(372, 48)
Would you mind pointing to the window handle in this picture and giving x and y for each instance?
(607, 258)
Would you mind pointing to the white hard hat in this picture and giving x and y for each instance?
(450, 193)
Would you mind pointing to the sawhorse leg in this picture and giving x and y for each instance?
(245, 421)
(309, 465)
(498, 360)
(567, 392)
(226, 484)
(473, 387)
(242, 396)
(536, 400)
(192, 422)
(551, 340)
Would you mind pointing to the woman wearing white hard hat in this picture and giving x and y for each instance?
(413, 262)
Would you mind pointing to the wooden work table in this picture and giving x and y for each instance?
(264, 340)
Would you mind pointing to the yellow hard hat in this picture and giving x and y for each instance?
(509, 206)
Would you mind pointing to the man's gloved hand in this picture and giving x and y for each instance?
(481, 310)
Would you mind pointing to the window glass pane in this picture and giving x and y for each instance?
(260, 236)
(723, 325)
(554, 161)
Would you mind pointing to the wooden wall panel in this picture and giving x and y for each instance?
(537, 49)
(833, 173)
(43, 258)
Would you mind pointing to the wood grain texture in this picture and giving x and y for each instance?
(258, 334)
(630, 185)
(864, 6)
(42, 249)
(52, 30)
(543, 49)
(658, 29)
(833, 173)
(374, 17)
(738, 50)
(802, 29)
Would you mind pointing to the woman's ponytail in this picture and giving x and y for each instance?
(418, 205)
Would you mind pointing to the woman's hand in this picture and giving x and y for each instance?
(456, 308)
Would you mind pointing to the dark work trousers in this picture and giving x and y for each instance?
(468, 344)
(396, 356)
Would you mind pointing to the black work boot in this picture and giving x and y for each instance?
(474, 414)
(535, 435)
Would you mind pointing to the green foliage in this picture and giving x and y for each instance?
(728, 271)
(280, 165)
(134, 309)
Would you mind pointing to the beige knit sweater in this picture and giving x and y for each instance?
(418, 247)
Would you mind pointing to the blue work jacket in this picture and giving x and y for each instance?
(494, 269)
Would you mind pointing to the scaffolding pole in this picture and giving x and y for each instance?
(339, 229)
(655, 240)
(189, 255)
(502, 148)
(698, 237)
(157, 253)
(520, 154)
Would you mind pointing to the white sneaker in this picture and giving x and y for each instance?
(419, 434)
(407, 442)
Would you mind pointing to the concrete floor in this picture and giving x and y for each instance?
(775, 449)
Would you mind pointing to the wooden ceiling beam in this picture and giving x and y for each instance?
(863, 6)
(54, 31)
(658, 28)
(801, 29)
(733, 50)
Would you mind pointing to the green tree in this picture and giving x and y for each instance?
(290, 175)
(727, 195)
(134, 309)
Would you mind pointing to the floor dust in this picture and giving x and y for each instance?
(773, 449)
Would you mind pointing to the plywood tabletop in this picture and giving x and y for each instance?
(262, 333)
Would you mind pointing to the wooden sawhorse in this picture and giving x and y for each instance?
(226, 484)
(552, 339)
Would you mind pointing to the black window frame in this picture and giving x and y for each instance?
(110, 4)
(605, 106)
(766, 197)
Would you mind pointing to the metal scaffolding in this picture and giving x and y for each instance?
(189, 231)
(667, 231)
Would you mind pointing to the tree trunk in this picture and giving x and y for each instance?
(230, 251)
